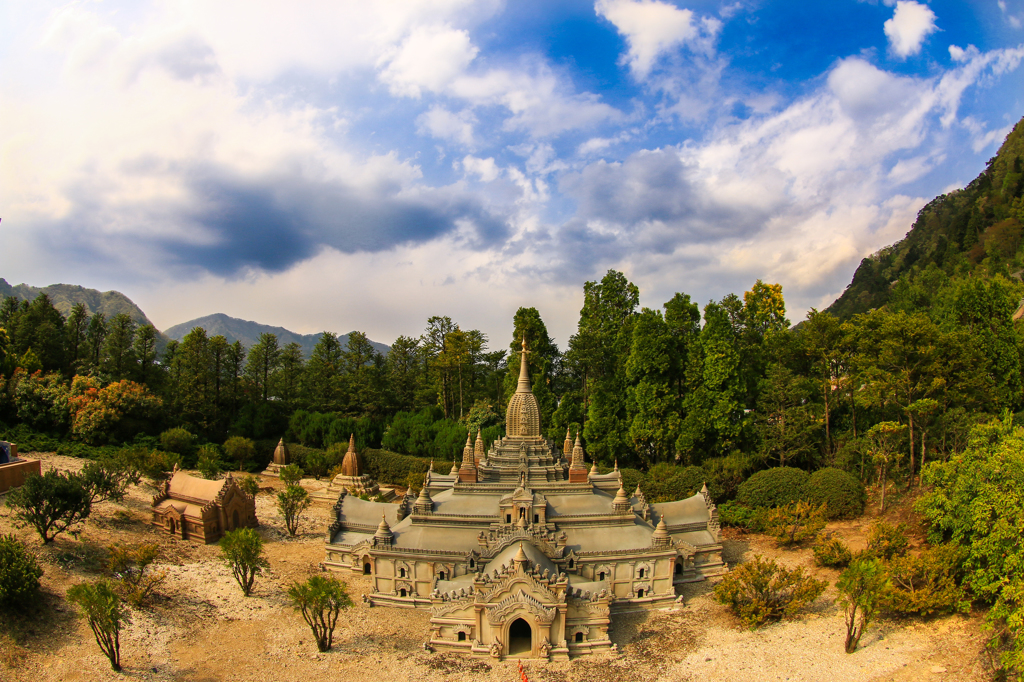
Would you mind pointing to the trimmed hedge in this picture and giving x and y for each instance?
(393, 468)
(666, 483)
(772, 487)
(840, 492)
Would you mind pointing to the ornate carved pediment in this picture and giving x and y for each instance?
(538, 539)
(500, 612)
(507, 583)
(444, 608)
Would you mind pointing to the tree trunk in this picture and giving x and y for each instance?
(910, 479)
(881, 508)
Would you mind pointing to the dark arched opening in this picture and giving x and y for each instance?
(641, 573)
(234, 519)
(171, 526)
(679, 568)
(401, 573)
(579, 637)
(520, 638)
(600, 576)
(572, 564)
(440, 575)
(462, 636)
(639, 593)
(367, 568)
(402, 592)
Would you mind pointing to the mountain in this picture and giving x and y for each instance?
(234, 329)
(979, 226)
(65, 296)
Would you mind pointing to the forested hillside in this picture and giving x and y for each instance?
(234, 329)
(977, 227)
(65, 296)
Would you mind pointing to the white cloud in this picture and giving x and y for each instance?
(653, 28)
(911, 23)
(446, 125)
(430, 58)
(485, 169)
(540, 102)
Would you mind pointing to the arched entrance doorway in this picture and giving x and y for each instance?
(520, 638)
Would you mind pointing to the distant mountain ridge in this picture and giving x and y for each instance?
(65, 296)
(234, 329)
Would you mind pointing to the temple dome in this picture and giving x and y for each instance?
(523, 416)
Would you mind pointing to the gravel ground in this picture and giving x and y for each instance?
(201, 628)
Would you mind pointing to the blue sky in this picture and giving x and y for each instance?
(366, 165)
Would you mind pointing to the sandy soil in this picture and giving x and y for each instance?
(201, 628)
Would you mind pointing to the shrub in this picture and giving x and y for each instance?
(391, 467)
(665, 482)
(157, 464)
(239, 449)
(107, 481)
(19, 573)
(887, 541)
(316, 464)
(794, 522)
(129, 566)
(772, 487)
(291, 474)
(209, 462)
(52, 503)
(320, 599)
(975, 503)
(177, 440)
(292, 502)
(100, 604)
(841, 493)
(761, 590)
(733, 513)
(927, 584)
(242, 549)
(861, 587)
(831, 552)
(250, 485)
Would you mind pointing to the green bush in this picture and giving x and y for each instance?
(927, 584)
(794, 522)
(209, 462)
(734, 514)
(861, 588)
(391, 467)
(100, 604)
(19, 573)
(250, 485)
(178, 440)
(107, 481)
(320, 599)
(242, 550)
(631, 478)
(760, 590)
(129, 565)
(772, 487)
(292, 502)
(831, 552)
(841, 493)
(316, 464)
(290, 475)
(157, 464)
(975, 502)
(887, 541)
(239, 449)
(52, 503)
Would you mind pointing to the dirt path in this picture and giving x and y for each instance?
(200, 627)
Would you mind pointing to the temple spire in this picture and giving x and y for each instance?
(524, 372)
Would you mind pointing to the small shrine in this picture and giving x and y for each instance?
(282, 458)
(354, 481)
(13, 469)
(200, 510)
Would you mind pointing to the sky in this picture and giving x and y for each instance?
(348, 165)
